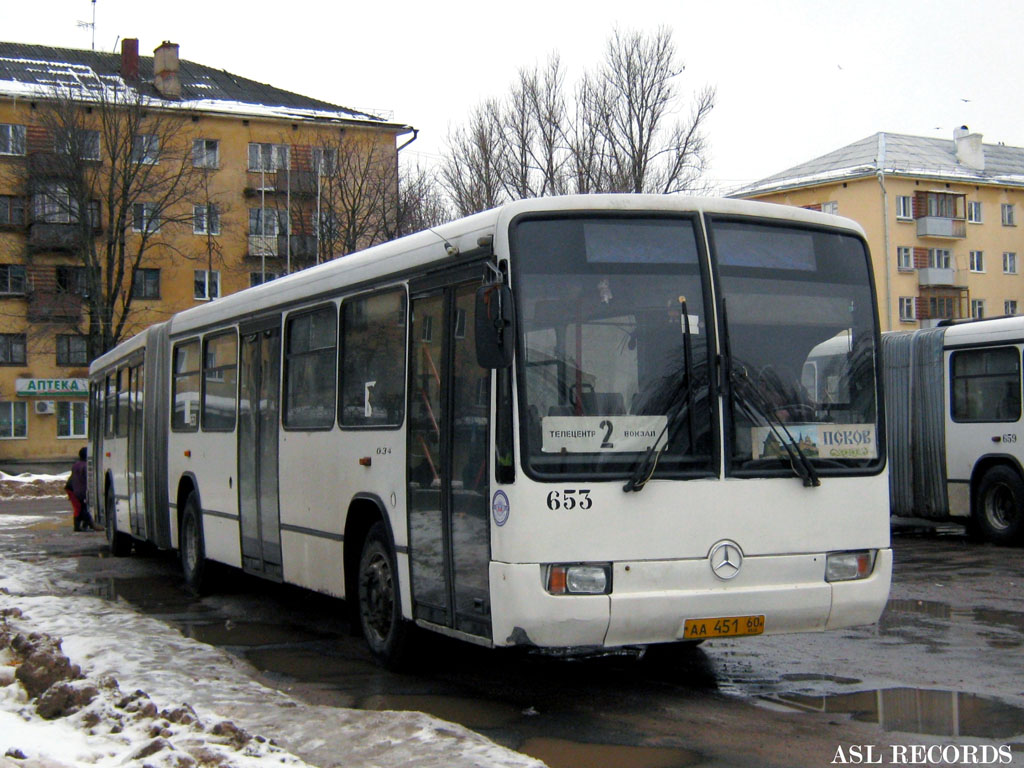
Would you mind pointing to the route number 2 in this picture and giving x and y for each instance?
(570, 499)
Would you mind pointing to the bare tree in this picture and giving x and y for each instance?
(117, 170)
(421, 202)
(621, 133)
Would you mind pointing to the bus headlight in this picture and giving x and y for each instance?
(848, 566)
(581, 579)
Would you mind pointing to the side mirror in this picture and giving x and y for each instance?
(494, 326)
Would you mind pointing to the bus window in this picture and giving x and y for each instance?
(185, 387)
(986, 384)
(123, 403)
(373, 360)
(220, 363)
(310, 359)
(111, 407)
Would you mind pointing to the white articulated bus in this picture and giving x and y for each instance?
(572, 424)
(956, 439)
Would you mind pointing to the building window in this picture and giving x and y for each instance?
(12, 139)
(831, 207)
(206, 219)
(1010, 307)
(267, 221)
(72, 280)
(1009, 220)
(147, 284)
(940, 307)
(207, 284)
(268, 157)
(904, 257)
(13, 420)
(12, 211)
(907, 314)
(974, 212)
(939, 258)
(71, 419)
(311, 342)
(977, 308)
(145, 218)
(146, 148)
(1010, 263)
(52, 204)
(904, 207)
(72, 350)
(977, 261)
(82, 143)
(325, 161)
(259, 278)
(12, 348)
(12, 280)
(206, 153)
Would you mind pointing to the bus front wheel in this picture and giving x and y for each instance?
(192, 549)
(120, 543)
(380, 609)
(999, 512)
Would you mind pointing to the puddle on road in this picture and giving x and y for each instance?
(246, 633)
(472, 713)
(560, 753)
(1007, 626)
(915, 710)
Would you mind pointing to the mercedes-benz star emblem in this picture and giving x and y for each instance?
(726, 559)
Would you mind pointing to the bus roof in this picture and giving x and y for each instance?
(431, 248)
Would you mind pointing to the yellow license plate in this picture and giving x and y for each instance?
(727, 626)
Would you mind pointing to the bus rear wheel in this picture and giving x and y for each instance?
(120, 543)
(380, 607)
(999, 512)
(191, 546)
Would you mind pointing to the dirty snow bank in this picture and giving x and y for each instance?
(134, 691)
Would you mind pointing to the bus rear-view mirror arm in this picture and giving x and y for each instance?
(494, 326)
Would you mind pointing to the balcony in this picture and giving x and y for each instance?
(940, 227)
(44, 236)
(303, 246)
(929, 276)
(263, 246)
(53, 306)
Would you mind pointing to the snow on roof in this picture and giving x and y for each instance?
(34, 71)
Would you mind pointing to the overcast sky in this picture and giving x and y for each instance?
(795, 79)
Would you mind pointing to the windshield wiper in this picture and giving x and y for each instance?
(758, 409)
(638, 479)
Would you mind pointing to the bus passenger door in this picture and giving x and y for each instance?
(136, 449)
(447, 472)
(259, 385)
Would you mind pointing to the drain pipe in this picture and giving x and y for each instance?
(880, 175)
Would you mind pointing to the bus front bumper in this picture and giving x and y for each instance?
(651, 601)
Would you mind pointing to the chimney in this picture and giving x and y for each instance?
(165, 71)
(130, 59)
(969, 149)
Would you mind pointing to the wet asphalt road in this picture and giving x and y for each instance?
(945, 665)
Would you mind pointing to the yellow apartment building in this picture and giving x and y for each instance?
(234, 182)
(944, 219)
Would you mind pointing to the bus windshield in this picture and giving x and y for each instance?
(800, 336)
(613, 345)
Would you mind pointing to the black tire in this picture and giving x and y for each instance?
(380, 606)
(120, 542)
(191, 547)
(999, 506)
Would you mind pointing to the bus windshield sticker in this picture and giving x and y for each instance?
(817, 441)
(601, 434)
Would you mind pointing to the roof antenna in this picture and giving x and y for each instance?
(90, 24)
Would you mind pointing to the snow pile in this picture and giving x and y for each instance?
(31, 486)
(122, 688)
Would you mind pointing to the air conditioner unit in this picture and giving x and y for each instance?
(45, 406)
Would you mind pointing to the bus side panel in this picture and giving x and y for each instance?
(213, 464)
(320, 475)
